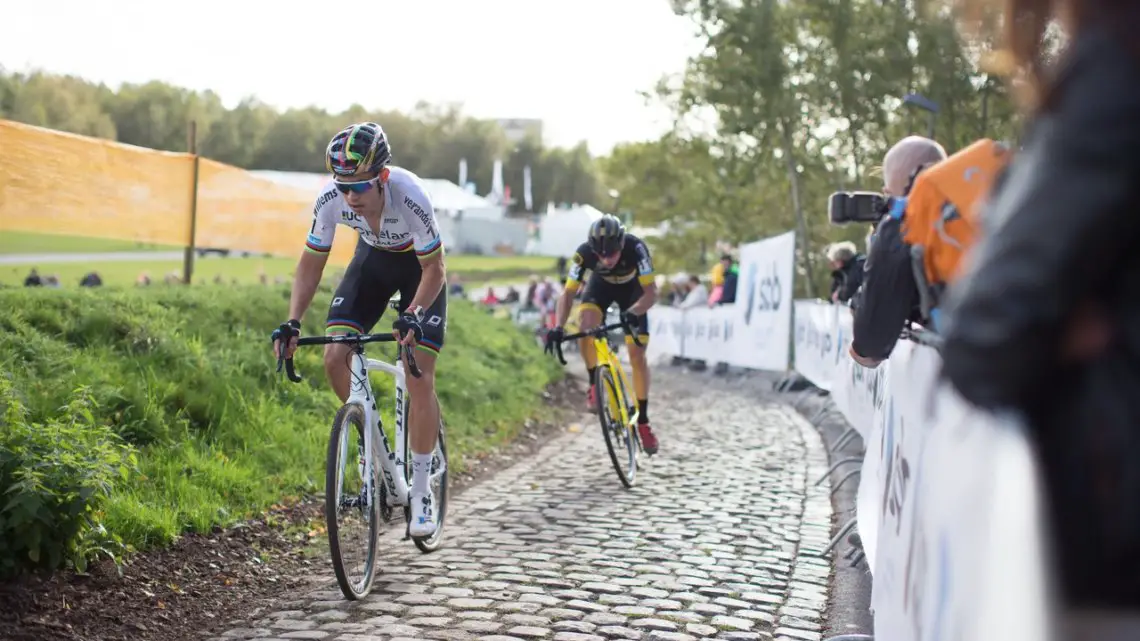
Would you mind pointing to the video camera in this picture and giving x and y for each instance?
(857, 207)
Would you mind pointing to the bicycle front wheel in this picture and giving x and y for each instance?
(619, 437)
(352, 506)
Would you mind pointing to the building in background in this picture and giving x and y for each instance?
(517, 129)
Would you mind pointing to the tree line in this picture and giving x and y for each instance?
(429, 141)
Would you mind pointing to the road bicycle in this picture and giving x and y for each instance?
(617, 415)
(374, 500)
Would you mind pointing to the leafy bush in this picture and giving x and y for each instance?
(56, 477)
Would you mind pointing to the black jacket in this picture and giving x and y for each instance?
(1062, 230)
(847, 279)
(889, 295)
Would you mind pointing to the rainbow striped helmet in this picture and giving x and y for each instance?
(358, 148)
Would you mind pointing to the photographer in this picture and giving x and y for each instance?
(889, 295)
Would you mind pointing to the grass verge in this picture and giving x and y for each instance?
(183, 379)
(23, 242)
(249, 270)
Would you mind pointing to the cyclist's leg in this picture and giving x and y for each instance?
(357, 304)
(424, 407)
(423, 411)
(640, 365)
(592, 313)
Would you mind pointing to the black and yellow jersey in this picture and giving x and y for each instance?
(634, 262)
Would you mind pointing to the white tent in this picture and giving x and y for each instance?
(560, 231)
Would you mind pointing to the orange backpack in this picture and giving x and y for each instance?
(940, 221)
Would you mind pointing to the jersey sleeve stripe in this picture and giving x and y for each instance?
(430, 249)
(645, 279)
(572, 285)
(310, 246)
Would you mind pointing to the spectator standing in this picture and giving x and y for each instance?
(846, 270)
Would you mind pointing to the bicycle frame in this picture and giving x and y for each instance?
(608, 358)
(392, 463)
(360, 392)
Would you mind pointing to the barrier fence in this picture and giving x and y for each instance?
(54, 182)
(948, 508)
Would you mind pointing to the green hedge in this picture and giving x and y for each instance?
(132, 416)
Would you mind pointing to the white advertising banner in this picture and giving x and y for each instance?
(665, 331)
(763, 325)
(817, 341)
(858, 391)
(980, 569)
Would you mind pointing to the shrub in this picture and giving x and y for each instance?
(55, 477)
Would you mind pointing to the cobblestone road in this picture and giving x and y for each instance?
(718, 540)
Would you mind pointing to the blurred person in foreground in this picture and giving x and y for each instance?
(1045, 320)
(846, 270)
(889, 294)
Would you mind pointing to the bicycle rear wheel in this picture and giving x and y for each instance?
(619, 438)
(351, 510)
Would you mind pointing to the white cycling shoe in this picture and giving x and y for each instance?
(423, 523)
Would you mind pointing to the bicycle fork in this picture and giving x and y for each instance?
(630, 413)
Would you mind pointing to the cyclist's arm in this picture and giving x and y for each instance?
(573, 282)
(429, 248)
(648, 299)
(647, 278)
(305, 282)
(431, 280)
(316, 255)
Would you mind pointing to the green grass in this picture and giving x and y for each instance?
(186, 376)
(246, 270)
(125, 272)
(22, 242)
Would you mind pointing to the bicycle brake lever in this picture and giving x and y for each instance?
(628, 329)
(558, 351)
(410, 359)
(290, 372)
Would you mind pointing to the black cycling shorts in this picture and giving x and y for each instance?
(601, 293)
(372, 278)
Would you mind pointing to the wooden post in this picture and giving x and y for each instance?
(188, 259)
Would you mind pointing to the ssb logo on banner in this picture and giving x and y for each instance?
(764, 292)
(763, 302)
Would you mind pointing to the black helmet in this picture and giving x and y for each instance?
(607, 235)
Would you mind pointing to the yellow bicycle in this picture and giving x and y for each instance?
(617, 414)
